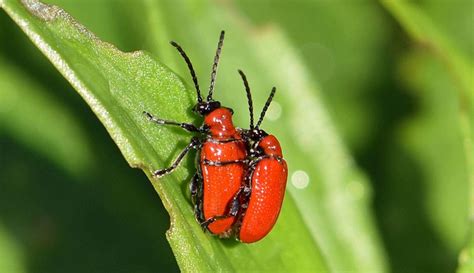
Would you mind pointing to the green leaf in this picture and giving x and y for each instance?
(330, 217)
(428, 34)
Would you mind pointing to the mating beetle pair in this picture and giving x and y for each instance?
(240, 182)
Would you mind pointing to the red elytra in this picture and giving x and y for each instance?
(265, 180)
(221, 183)
(214, 185)
(268, 175)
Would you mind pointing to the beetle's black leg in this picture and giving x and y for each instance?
(233, 209)
(223, 163)
(186, 126)
(194, 144)
(195, 187)
(211, 220)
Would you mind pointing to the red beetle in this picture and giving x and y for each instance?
(265, 179)
(215, 185)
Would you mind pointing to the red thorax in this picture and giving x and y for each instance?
(220, 124)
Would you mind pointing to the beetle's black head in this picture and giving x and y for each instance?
(206, 107)
(254, 135)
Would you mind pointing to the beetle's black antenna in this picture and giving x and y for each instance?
(249, 97)
(215, 65)
(265, 108)
(191, 69)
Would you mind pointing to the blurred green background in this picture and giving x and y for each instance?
(67, 196)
